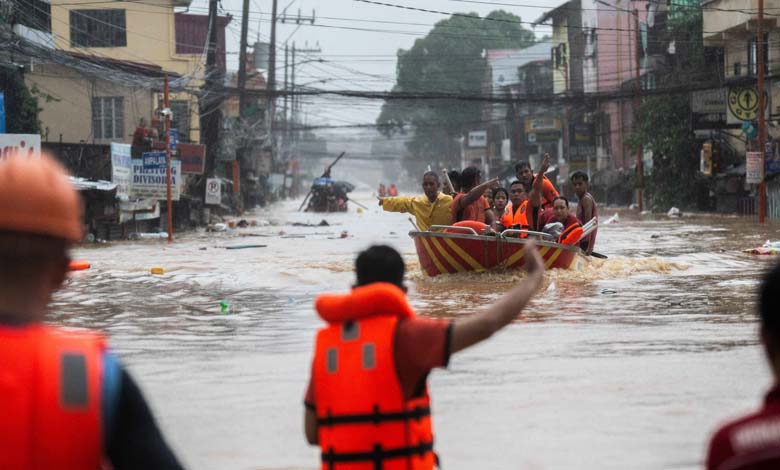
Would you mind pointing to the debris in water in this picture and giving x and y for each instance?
(655, 235)
(224, 307)
(608, 291)
(344, 234)
(674, 212)
(241, 247)
(158, 271)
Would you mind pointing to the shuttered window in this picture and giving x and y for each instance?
(98, 28)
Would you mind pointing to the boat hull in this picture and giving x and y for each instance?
(446, 253)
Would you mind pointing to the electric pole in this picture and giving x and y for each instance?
(242, 98)
(271, 83)
(761, 117)
(640, 173)
(211, 99)
(295, 51)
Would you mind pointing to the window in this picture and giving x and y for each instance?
(97, 28)
(753, 55)
(181, 119)
(35, 14)
(108, 118)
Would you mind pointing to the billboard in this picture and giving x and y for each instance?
(20, 145)
(122, 169)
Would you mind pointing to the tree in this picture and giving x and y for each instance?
(448, 60)
(20, 104)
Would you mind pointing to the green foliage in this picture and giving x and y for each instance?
(21, 106)
(664, 129)
(448, 60)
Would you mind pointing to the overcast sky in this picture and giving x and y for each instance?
(360, 58)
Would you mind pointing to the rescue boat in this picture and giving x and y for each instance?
(453, 249)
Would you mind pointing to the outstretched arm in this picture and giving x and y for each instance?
(477, 192)
(481, 326)
(535, 198)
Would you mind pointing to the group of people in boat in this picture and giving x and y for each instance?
(385, 191)
(528, 206)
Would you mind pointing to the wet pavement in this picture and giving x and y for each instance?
(629, 363)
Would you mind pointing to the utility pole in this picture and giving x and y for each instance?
(242, 98)
(286, 95)
(640, 174)
(167, 107)
(271, 83)
(761, 117)
(211, 100)
(295, 51)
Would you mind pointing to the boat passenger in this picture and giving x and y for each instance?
(470, 204)
(559, 212)
(586, 208)
(432, 208)
(753, 441)
(526, 176)
(382, 190)
(500, 199)
(516, 215)
(489, 197)
(68, 403)
(367, 404)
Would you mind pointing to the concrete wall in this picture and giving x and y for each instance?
(69, 113)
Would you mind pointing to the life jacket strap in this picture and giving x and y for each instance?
(377, 455)
(376, 417)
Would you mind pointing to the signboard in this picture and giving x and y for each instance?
(150, 182)
(709, 101)
(542, 123)
(173, 141)
(478, 139)
(122, 169)
(506, 150)
(152, 160)
(213, 191)
(193, 158)
(773, 157)
(20, 145)
(754, 167)
(742, 104)
(705, 162)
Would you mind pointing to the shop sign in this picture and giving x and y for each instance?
(754, 167)
(20, 145)
(122, 169)
(193, 158)
(743, 104)
(709, 101)
(478, 139)
(151, 182)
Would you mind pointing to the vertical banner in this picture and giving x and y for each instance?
(122, 169)
(705, 163)
(754, 167)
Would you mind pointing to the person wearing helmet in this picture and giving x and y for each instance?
(67, 401)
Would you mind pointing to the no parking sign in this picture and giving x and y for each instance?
(213, 191)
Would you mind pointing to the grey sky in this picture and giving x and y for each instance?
(362, 58)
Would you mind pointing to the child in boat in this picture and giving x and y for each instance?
(489, 196)
(500, 199)
(586, 208)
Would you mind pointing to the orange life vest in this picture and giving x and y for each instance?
(571, 234)
(363, 420)
(50, 382)
(519, 217)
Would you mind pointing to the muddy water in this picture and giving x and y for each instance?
(627, 364)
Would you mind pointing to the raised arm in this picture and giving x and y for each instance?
(447, 185)
(477, 192)
(535, 198)
(482, 325)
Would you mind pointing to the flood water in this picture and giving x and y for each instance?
(629, 363)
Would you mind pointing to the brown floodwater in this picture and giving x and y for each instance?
(629, 363)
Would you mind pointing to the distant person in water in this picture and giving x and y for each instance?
(753, 442)
(382, 190)
(432, 208)
(367, 404)
(470, 203)
(392, 191)
(586, 208)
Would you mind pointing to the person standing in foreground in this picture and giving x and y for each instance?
(67, 402)
(753, 442)
(367, 404)
(434, 208)
(586, 208)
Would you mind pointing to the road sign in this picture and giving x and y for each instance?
(154, 160)
(213, 191)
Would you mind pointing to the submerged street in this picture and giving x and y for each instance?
(629, 363)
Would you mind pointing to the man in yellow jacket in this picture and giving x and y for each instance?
(433, 208)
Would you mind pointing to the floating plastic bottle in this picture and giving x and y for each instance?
(225, 307)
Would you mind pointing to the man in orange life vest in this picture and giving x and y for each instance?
(470, 203)
(367, 404)
(525, 175)
(516, 215)
(753, 442)
(67, 402)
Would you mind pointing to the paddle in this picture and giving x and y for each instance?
(598, 255)
(357, 203)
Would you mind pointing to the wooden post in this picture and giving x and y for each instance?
(168, 159)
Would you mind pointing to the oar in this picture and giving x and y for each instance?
(413, 224)
(598, 255)
(357, 203)
(304, 200)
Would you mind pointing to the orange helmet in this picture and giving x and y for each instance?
(36, 197)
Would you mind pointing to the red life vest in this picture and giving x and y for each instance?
(571, 234)
(50, 382)
(363, 419)
(518, 217)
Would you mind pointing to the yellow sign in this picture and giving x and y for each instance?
(743, 103)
